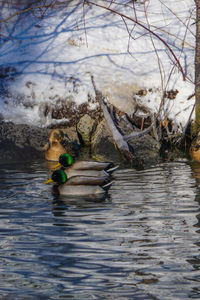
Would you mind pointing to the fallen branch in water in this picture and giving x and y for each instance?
(138, 133)
(120, 139)
(122, 145)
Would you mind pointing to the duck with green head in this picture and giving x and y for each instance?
(78, 185)
(66, 161)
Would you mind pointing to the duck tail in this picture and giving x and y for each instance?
(112, 169)
(106, 173)
(109, 166)
(106, 184)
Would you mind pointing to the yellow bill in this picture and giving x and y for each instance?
(58, 165)
(48, 181)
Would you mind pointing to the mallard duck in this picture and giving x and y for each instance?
(66, 161)
(70, 172)
(55, 148)
(92, 173)
(78, 185)
(195, 150)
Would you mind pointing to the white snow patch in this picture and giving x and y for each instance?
(56, 57)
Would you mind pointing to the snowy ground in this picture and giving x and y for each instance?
(57, 55)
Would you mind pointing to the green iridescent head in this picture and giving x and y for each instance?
(59, 177)
(65, 160)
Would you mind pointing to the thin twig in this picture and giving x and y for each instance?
(84, 23)
(147, 29)
(138, 133)
(186, 125)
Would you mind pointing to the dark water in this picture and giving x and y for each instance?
(140, 242)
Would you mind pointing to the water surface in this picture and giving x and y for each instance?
(141, 241)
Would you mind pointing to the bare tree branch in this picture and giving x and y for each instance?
(147, 29)
(138, 133)
(121, 144)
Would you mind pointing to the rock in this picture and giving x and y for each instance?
(146, 149)
(85, 128)
(71, 133)
(102, 144)
(21, 141)
(71, 141)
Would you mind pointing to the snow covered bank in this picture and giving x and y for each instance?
(55, 56)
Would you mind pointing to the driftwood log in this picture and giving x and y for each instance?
(120, 139)
(121, 144)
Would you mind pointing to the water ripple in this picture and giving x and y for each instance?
(139, 242)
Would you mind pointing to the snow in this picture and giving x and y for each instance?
(56, 56)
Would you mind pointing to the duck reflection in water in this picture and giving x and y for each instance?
(61, 204)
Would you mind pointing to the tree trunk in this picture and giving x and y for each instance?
(197, 67)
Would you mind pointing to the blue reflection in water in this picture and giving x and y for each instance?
(141, 241)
